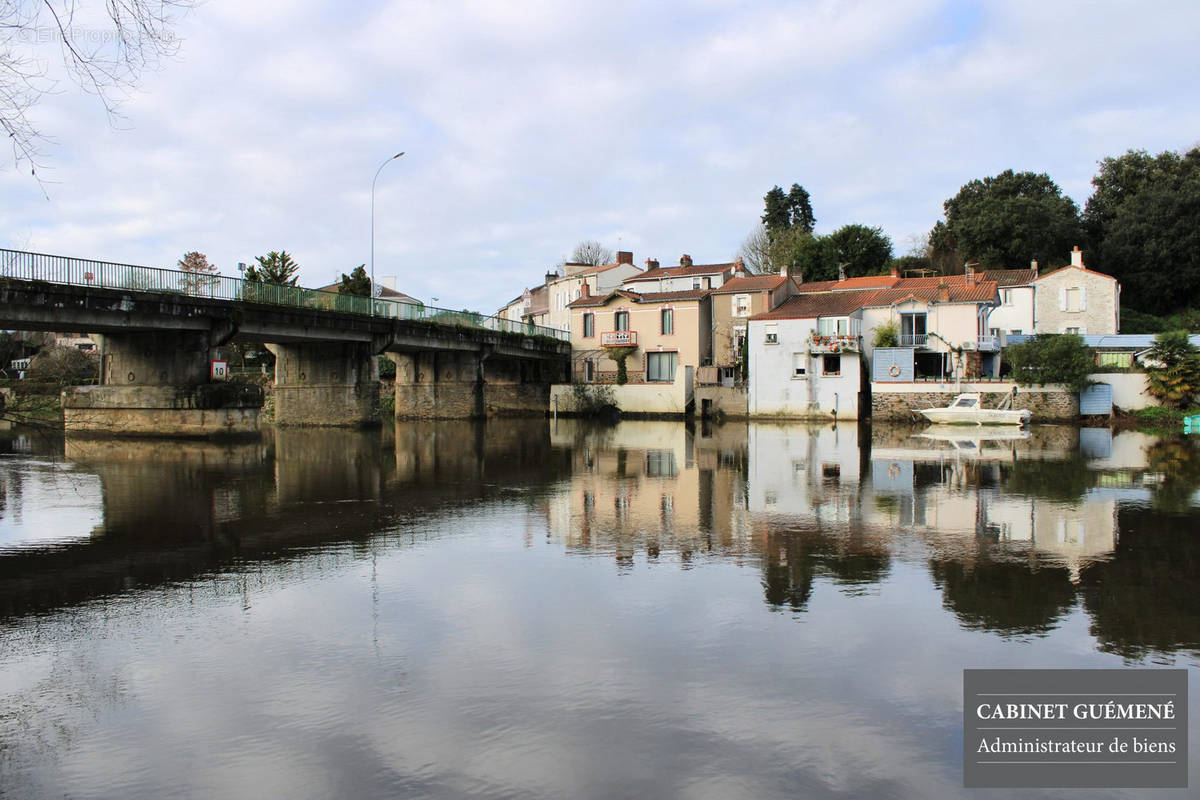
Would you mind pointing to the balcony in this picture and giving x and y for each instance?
(618, 339)
(835, 343)
(913, 339)
(988, 344)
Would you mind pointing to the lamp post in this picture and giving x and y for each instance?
(381, 166)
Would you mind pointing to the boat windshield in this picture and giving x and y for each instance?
(965, 402)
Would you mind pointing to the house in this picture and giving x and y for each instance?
(388, 301)
(547, 305)
(1075, 299)
(733, 304)
(942, 327)
(1014, 316)
(661, 336)
(805, 357)
(687, 276)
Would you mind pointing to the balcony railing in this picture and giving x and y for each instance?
(913, 339)
(618, 339)
(988, 343)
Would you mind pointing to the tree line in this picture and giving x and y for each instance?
(1141, 225)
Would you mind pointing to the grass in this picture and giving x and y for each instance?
(1161, 420)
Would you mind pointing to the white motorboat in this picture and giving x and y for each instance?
(967, 409)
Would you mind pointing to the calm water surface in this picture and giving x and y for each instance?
(548, 610)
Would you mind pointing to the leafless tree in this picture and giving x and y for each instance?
(104, 48)
(756, 251)
(591, 252)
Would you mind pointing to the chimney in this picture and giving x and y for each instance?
(651, 263)
(943, 292)
(685, 260)
(970, 271)
(587, 289)
(841, 272)
(783, 270)
(624, 257)
(739, 268)
(1076, 257)
(1033, 265)
(895, 272)
(550, 276)
(707, 282)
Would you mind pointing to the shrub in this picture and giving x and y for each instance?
(591, 398)
(63, 365)
(1052, 358)
(887, 334)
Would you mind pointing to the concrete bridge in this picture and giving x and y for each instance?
(159, 331)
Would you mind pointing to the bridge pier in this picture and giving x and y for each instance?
(157, 384)
(326, 384)
(446, 384)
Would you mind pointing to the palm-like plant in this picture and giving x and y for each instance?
(1173, 374)
(275, 267)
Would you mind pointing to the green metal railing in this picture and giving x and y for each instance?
(24, 266)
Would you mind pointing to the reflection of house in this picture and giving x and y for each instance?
(809, 472)
(1075, 299)
(805, 356)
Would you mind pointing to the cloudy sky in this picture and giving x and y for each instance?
(529, 126)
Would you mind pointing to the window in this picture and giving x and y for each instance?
(589, 370)
(1015, 332)
(1118, 360)
(1006, 296)
(621, 321)
(695, 283)
(589, 325)
(741, 305)
(667, 320)
(578, 294)
(661, 464)
(966, 402)
(912, 330)
(832, 366)
(799, 365)
(660, 367)
(772, 334)
(1073, 299)
(832, 326)
(1071, 330)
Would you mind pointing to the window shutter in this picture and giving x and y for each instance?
(1083, 298)
(1062, 298)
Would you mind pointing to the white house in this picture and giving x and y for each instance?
(685, 277)
(806, 357)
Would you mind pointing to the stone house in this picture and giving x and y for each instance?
(1075, 299)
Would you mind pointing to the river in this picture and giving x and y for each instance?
(550, 609)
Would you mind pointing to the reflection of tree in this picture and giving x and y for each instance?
(1143, 599)
(1065, 481)
(1009, 598)
(1177, 459)
(793, 560)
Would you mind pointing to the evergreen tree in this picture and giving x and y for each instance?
(356, 283)
(800, 209)
(274, 267)
(776, 212)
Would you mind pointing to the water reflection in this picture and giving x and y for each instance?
(461, 609)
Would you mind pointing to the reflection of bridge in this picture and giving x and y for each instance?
(161, 328)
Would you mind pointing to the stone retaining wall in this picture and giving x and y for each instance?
(1048, 404)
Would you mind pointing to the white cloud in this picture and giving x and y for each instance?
(529, 127)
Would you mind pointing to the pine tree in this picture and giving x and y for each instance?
(800, 208)
(274, 267)
(356, 283)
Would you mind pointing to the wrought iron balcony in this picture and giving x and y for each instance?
(618, 339)
(913, 339)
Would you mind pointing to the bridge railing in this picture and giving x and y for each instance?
(26, 266)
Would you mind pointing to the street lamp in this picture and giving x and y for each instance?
(381, 166)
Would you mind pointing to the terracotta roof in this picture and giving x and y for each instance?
(1009, 277)
(602, 268)
(639, 297)
(851, 284)
(680, 272)
(384, 292)
(1081, 269)
(958, 292)
(821, 304)
(751, 283)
